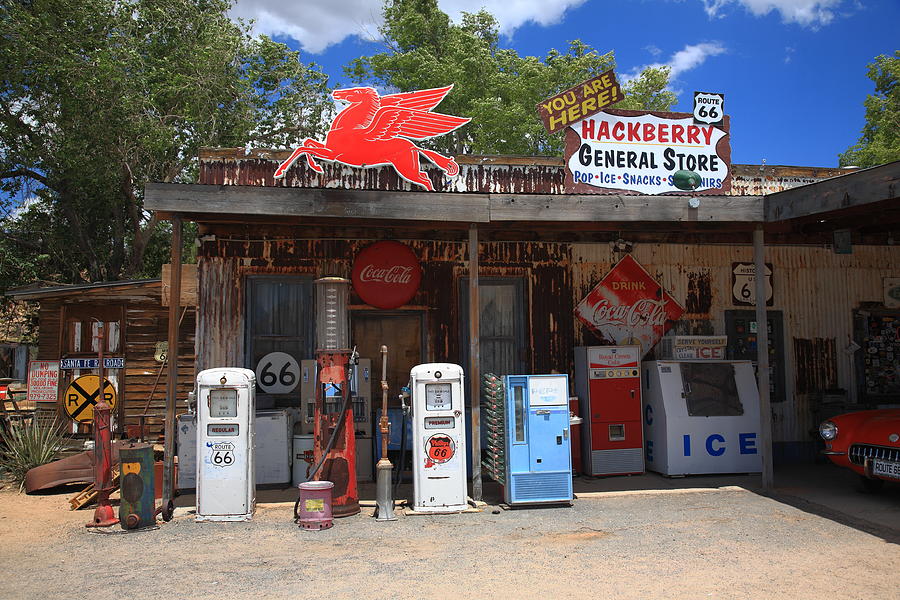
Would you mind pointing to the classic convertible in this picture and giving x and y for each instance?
(867, 442)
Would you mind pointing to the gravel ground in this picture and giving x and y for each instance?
(702, 544)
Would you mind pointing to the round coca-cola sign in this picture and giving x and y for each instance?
(386, 275)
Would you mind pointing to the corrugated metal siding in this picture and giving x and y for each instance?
(816, 289)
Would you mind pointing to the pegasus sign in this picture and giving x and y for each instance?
(376, 130)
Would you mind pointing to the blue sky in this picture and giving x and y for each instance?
(793, 71)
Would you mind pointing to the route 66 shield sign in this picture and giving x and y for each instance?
(743, 284)
(709, 109)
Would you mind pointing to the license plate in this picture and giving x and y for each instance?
(886, 468)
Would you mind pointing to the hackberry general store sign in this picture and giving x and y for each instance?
(629, 307)
(636, 151)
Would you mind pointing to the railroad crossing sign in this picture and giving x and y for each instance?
(83, 393)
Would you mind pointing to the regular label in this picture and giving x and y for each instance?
(314, 504)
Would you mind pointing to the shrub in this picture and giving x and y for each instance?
(26, 446)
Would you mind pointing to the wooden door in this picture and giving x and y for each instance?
(402, 334)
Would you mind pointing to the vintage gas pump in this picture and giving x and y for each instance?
(333, 432)
(226, 481)
(439, 438)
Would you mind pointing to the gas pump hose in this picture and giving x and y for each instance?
(328, 448)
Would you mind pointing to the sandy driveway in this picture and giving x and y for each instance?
(719, 544)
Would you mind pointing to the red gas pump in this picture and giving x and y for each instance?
(333, 434)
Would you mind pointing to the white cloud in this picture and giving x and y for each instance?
(810, 13)
(689, 57)
(317, 24)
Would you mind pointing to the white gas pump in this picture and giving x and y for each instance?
(439, 438)
(226, 404)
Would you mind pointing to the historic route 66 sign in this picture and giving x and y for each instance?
(709, 108)
(743, 284)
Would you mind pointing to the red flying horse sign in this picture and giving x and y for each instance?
(373, 131)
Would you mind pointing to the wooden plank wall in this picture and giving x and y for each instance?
(146, 323)
(225, 262)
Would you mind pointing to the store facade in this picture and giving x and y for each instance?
(539, 252)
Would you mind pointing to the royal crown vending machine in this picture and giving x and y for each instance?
(608, 385)
(439, 438)
(226, 490)
(538, 451)
(701, 416)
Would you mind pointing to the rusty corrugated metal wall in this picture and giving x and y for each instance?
(816, 290)
(545, 268)
(482, 174)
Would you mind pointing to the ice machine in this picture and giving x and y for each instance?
(701, 416)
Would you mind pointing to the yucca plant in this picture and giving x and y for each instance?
(25, 446)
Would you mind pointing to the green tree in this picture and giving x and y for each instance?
(494, 86)
(880, 139)
(99, 97)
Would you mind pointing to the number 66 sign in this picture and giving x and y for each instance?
(277, 373)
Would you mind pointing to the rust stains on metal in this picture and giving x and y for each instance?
(815, 362)
(481, 174)
(699, 292)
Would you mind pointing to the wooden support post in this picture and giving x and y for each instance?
(475, 361)
(172, 358)
(762, 361)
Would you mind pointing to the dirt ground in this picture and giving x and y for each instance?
(720, 543)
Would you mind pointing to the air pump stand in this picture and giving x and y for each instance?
(384, 501)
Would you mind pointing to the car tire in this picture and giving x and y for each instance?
(871, 486)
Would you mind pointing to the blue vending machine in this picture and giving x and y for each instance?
(538, 440)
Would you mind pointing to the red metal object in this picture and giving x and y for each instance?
(629, 307)
(575, 428)
(104, 515)
(339, 466)
(608, 380)
(374, 129)
(386, 274)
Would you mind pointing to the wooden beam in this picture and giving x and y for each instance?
(595, 207)
(475, 361)
(852, 190)
(762, 362)
(315, 202)
(168, 494)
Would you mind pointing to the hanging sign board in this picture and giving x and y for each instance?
(109, 362)
(581, 101)
(637, 151)
(386, 275)
(628, 307)
(743, 284)
(43, 380)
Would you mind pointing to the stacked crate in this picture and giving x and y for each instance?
(493, 412)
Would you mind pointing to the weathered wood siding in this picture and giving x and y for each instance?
(143, 386)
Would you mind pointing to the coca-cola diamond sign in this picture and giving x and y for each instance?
(629, 307)
(386, 275)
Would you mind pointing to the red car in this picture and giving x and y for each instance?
(867, 442)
